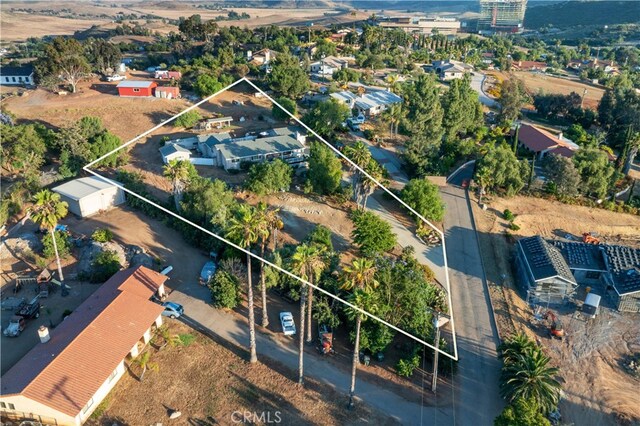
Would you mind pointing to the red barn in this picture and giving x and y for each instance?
(136, 88)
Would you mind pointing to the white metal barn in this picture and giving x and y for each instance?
(90, 195)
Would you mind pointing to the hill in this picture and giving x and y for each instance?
(583, 13)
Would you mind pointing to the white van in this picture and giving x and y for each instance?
(591, 305)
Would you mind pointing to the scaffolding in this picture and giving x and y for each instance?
(503, 16)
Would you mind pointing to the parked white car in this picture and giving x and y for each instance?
(288, 326)
(116, 77)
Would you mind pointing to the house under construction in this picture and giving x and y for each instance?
(501, 16)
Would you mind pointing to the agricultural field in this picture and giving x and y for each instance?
(597, 388)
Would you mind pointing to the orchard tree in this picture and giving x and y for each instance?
(325, 170)
(595, 170)
(513, 96)
(63, 59)
(372, 234)
(269, 177)
(288, 78)
(287, 104)
(500, 169)
(522, 412)
(424, 197)
(563, 173)
(326, 116)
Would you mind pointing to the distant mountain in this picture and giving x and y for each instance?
(574, 13)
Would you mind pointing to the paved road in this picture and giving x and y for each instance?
(200, 315)
(477, 400)
(476, 83)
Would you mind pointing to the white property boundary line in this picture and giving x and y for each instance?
(448, 286)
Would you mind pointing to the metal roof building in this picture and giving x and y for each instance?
(90, 195)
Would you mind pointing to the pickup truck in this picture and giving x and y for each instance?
(31, 310)
(15, 327)
(116, 77)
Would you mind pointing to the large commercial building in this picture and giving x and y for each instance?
(501, 16)
(420, 25)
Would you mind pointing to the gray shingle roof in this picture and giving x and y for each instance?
(24, 71)
(172, 148)
(581, 255)
(544, 260)
(261, 146)
(624, 265)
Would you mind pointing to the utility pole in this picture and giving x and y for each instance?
(439, 320)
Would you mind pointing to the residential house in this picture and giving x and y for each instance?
(64, 379)
(329, 65)
(16, 76)
(136, 88)
(609, 67)
(225, 150)
(261, 57)
(543, 142)
(542, 272)
(450, 70)
(173, 151)
(372, 102)
(529, 66)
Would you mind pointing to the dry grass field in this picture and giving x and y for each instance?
(217, 383)
(548, 84)
(597, 389)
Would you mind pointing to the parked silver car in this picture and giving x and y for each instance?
(172, 310)
(288, 326)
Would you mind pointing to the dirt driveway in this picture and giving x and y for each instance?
(132, 227)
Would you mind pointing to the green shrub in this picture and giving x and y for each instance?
(405, 367)
(64, 248)
(225, 290)
(186, 339)
(102, 235)
(104, 266)
(514, 227)
(188, 119)
(508, 215)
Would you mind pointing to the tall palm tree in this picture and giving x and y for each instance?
(263, 230)
(394, 114)
(307, 261)
(530, 376)
(178, 172)
(242, 230)
(275, 224)
(368, 186)
(358, 278)
(48, 210)
(361, 156)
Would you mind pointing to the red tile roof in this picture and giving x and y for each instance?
(537, 139)
(563, 150)
(86, 348)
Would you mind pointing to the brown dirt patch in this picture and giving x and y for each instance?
(208, 383)
(548, 84)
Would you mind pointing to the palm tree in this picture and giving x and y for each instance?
(48, 210)
(307, 262)
(394, 115)
(263, 229)
(144, 362)
(515, 345)
(178, 172)
(361, 156)
(368, 186)
(360, 279)
(530, 376)
(275, 224)
(243, 231)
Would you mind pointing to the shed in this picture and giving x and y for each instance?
(90, 195)
(168, 92)
(136, 88)
(173, 151)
